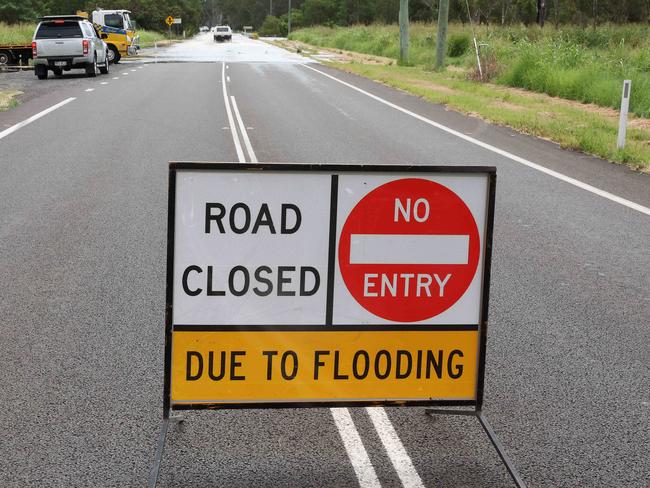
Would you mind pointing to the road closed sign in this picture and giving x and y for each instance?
(296, 285)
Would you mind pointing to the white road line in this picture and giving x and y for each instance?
(133, 70)
(231, 122)
(355, 449)
(244, 134)
(104, 83)
(90, 89)
(124, 74)
(501, 152)
(228, 79)
(395, 449)
(37, 116)
(116, 77)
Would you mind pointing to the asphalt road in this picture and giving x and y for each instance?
(83, 201)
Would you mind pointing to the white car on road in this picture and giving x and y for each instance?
(66, 42)
(222, 33)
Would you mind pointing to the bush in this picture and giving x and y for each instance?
(457, 45)
(273, 26)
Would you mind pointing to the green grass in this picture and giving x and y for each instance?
(148, 38)
(570, 62)
(571, 125)
(23, 33)
(8, 99)
(16, 33)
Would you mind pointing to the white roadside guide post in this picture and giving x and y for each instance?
(622, 122)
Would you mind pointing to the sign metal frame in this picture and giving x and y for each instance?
(334, 170)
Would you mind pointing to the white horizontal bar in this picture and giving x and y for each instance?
(408, 249)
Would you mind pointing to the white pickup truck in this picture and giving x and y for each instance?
(222, 33)
(66, 42)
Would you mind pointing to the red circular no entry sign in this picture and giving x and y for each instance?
(409, 250)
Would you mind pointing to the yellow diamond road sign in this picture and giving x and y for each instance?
(169, 20)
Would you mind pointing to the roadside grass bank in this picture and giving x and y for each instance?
(23, 33)
(149, 38)
(571, 62)
(16, 33)
(573, 125)
(8, 99)
(589, 129)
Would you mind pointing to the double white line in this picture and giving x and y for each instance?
(231, 122)
(356, 451)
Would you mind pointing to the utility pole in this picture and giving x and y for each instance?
(441, 43)
(403, 31)
(289, 21)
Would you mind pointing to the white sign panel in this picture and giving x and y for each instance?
(311, 247)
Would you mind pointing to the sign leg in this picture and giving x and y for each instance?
(516, 477)
(155, 469)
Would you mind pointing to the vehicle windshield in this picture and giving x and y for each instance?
(114, 20)
(56, 30)
(127, 22)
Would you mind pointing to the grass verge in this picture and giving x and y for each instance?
(573, 125)
(8, 99)
(586, 65)
(590, 129)
(23, 33)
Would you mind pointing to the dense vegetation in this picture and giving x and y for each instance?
(570, 62)
(150, 13)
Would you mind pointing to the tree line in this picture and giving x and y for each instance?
(150, 14)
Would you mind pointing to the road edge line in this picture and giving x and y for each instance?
(231, 122)
(396, 451)
(555, 174)
(244, 133)
(34, 117)
(355, 449)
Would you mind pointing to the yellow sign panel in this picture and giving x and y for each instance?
(217, 367)
(169, 20)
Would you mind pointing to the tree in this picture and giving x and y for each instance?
(541, 12)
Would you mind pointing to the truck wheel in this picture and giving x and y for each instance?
(113, 55)
(41, 72)
(91, 69)
(5, 58)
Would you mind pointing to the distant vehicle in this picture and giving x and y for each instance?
(204, 28)
(222, 33)
(66, 42)
(122, 39)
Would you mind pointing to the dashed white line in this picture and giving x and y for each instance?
(355, 449)
(34, 117)
(228, 79)
(501, 152)
(394, 448)
(104, 83)
(242, 129)
(133, 70)
(116, 77)
(124, 74)
(231, 122)
(90, 89)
